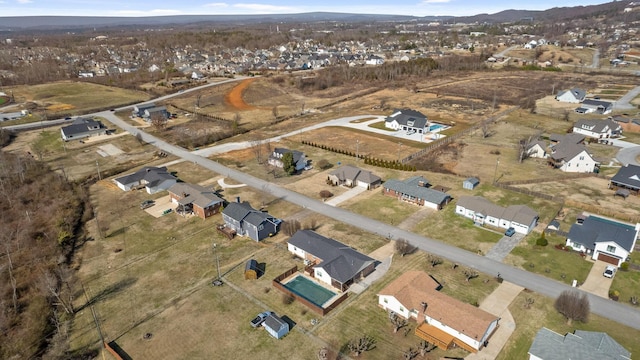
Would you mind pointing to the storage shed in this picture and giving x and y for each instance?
(276, 326)
(470, 183)
(251, 270)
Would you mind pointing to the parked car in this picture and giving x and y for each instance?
(609, 271)
(510, 232)
(258, 320)
(147, 204)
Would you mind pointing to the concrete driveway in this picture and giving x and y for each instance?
(353, 192)
(160, 206)
(596, 283)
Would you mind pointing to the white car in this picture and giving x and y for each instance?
(609, 271)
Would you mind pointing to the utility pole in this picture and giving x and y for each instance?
(217, 259)
(399, 148)
(98, 165)
(357, 152)
(495, 173)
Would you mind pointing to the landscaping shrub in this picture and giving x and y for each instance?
(624, 266)
(542, 240)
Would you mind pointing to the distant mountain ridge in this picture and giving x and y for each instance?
(79, 22)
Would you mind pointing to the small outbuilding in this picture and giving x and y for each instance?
(470, 183)
(276, 326)
(251, 271)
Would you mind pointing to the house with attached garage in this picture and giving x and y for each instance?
(195, 199)
(411, 121)
(331, 261)
(583, 345)
(82, 128)
(570, 157)
(138, 110)
(603, 239)
(598, 129)
(299, 159)
(627, 177)
(482, 211)
(416, 190)
(159, 112)
(442, 320)
(247, 221)
(352, 176)
(574, 96)
(595, 106)
(153, 179)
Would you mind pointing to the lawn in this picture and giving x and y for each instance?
(628, 282)
(382, 208)
(381, 126)
(542, 314)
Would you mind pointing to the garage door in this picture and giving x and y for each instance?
(608, 259)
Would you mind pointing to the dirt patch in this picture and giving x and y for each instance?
(234, 98)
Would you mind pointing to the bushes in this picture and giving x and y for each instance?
(396, 165)
(542, 240)
(624, 266)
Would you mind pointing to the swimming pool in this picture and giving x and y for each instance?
(309, 290)
(435, 127)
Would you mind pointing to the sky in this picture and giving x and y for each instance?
(136, 8)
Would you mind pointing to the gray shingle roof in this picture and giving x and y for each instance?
(244, 211)
(296, 154)
(579, 94)
(582, 345)
(521, 214)
(569, 138)
(405, 116)
(195, 194)
(352, 173)
(567, 151)
(595, 229)
(151, 175)
(410, 187)
(82, 125)
(275, 322)
(597, 125)
(340, 261)
(628, 176)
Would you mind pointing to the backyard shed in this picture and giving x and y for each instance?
(470, 183)
(276, 326)
(251, 270)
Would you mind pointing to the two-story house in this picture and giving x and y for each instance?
(598, 129)
(247, 221)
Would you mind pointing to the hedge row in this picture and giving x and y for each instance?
(367, 160)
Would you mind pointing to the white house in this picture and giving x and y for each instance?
(603, 239)
(407, 120)
(153, 179)
(537, 149)
(598, 129)
(570, 157)
(573, 96)
(374, 60)
(595, 106)
(520, 217)
(442, 320)
(299, 159)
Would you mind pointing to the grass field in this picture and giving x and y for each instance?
(68, 97)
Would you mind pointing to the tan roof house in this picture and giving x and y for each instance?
(442, 320)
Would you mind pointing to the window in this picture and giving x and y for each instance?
(581, 157)
(611, 248)
(386, 301)
(401, 309)
(318, 272)
(261, 227)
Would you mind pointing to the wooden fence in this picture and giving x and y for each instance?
(315, 308)
(117, 352)
(439, 143)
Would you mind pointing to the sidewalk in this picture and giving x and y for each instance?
(497, 303)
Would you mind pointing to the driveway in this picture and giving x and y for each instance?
(353, 192)
(624, 103)
(629, 155)
(596, 283)
(160, 206)
(503, 247)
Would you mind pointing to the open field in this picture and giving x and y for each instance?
(76, 98)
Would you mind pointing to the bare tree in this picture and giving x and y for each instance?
(425, 347)
(470, 274)
(362, 344)
(573, 305)
(274, 112)
(565, 115)
(139, 138)
(410, 353)
(291, 227)
(49, 283)
(528, 302)
(485, 130)
(434, 260)
(403, 247)
(398, 322)
(12, 279)
(158, 121)
(257, 147)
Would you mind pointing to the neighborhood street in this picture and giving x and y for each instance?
(603, 307)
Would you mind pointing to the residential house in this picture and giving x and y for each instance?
(299, 159)
(442, 320)
(570, 157)
(416, 190)
(352, 176)
(247, 221)
(276, 326)
(407, 120)
(597, 129)
(158, 112)
(537, 149)
(627, 177)
(573, 96)
(138, 110)
(583, 345)
(570, 138)
(595, 106)
(520, 217)
(374, 60)
(470, 183)
(153, 179)
(82, 128)
(603, 239)
(333, 262)
(195, 199)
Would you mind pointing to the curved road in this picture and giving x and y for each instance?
(601, 306)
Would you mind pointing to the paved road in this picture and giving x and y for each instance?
(624, 103)
(604, 307)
